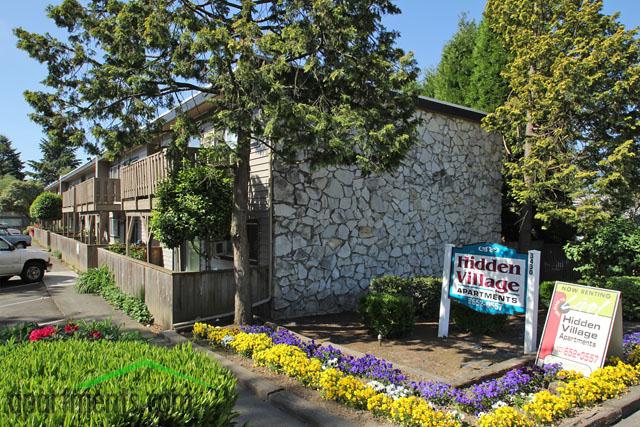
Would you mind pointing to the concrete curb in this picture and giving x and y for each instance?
(267, 390)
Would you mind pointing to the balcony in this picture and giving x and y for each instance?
(92, 195)
(139, 181)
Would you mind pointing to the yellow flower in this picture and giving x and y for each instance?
(547, 407)
(200, 330)
(246, 344)
(504, 416)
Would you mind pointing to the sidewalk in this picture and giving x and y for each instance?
(59, 284)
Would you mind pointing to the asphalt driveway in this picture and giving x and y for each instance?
(21, 302)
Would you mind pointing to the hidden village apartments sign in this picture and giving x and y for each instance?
(493, 279)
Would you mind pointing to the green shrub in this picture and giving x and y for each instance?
(391, 315)
(49, 383)
(46, 207)
(469, 320)
(119, 248)
(391, 285)
(425, 291)
(134, 307)
(545, 293)
(426, 294)
(100, 281)
(629, 287)
(611, 249)
(93, 280)
(57, 254)
(138, 252)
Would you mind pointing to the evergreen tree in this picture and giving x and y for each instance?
(570, 122)
(452, 77)
(56, 160)
(320, 81)
(487, 88)
(10, 163)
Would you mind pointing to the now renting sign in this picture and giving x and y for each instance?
(583, 327)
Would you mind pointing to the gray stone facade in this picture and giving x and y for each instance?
(334, 230)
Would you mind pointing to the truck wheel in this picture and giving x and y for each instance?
(21, 245)
(33, 272)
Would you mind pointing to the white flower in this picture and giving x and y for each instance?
(376, 385)
(396, 391)
(331, 363)
(457, 415)
(480, 414)
(226, 340)
(499, 404)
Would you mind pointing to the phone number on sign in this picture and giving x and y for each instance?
(577, 355)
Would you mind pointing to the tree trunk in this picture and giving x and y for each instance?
(241, 267)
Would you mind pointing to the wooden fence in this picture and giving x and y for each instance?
(75, 253)
(178, 297)
(41, 236)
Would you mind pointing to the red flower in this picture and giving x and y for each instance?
(70, 328)
(96, 335)
(38, 334)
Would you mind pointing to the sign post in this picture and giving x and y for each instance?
(492, 279)
(583, 327)
(533, 290)
(445, 302)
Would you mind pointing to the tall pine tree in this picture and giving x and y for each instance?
(10, 163)
(487, 88)
(451, 79)
(57, 159)
(318, 80)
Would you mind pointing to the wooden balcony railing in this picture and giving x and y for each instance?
(98, 191)
(92, 194)
(69, 198)
(140, 179)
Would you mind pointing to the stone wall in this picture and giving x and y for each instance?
(334, 229)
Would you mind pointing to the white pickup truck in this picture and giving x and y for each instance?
(29, 264)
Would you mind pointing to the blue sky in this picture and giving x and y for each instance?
(425, 25)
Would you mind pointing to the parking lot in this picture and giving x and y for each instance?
(20, 302)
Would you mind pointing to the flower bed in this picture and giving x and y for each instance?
(102, 330)
(520, 397)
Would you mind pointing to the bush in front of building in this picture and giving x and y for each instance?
(46, 207)
(425, 291)
(100, 281)
(469, 320)
(390, 315)
(545, 293)
(629, 287)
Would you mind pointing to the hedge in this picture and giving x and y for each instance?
(425, 291)
(391, 315)
(629, 286)
(52, 383)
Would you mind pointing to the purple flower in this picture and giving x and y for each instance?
(436, 392)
